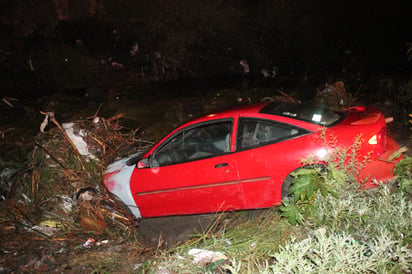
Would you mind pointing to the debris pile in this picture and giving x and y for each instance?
(335, 96)
(55, 201)
(281, 97)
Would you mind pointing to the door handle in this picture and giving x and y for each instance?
(221, 165)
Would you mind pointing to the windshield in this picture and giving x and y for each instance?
(311, 114)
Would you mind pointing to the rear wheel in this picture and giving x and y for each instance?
(286, 186)
(287, 183)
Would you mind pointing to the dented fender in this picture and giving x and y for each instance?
(117, 181)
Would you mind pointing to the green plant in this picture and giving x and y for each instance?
(343, 167)
(306, 184)
(327, 252)
(403, 171)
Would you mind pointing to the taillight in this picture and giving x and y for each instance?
(379, 139)
(373, 140)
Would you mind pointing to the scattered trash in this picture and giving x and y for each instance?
(272, 74)
(103, 242)
(275, 71)
(60, 251)
(26, 200)
(2, 132)
(202, 256)
(86, 194)
(66, 204)
(245, 66)
(265, 73)
(92, 242)
(50, 223)
(7, 173)
(134, 49)
(5, 183)
(117, 65)
(283, 97)
(7, 101)
(162, 270)
(89, 243)
(77, 137)
(45, 122)
(46, 230)
(335, 96)
(30, 61)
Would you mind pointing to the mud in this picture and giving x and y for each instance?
(167, 232)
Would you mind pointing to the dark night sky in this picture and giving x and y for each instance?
(199, 38)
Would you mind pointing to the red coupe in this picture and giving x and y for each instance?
(240, 158)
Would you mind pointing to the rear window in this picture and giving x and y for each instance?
(311, 114)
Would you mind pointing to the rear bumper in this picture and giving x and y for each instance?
(380, 169)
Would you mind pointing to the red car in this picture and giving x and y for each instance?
(240, 158)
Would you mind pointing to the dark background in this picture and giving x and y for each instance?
(84, 47)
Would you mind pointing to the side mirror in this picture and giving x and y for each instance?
(143, 163)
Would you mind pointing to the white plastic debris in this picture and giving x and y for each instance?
(86, 196)
(265, 73)
(134, 49)
(26, 199)
(103, 242)
(202, 256)
(5, 182)
(47, 230)
(7, 101)
(45, 121)
(161, 270)
(78, 140)
(7, 173)
(66, 203)
(275, 71)
(245, 66)
(96, 120)
(30, 61)
(89, 243)
(117, 65)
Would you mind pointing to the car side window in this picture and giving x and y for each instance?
(259, 132)
(194, 143)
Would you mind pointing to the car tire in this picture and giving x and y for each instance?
(286, 186)
(287, 183)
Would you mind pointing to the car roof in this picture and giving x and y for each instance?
(252, 110)
(231, 112)
(291, 113)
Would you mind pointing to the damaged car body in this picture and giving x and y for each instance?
(240, 158)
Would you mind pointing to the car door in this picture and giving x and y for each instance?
(193, 171)
(266, 152)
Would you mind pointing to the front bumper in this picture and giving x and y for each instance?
(117, 181)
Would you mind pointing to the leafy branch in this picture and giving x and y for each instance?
(306, 184)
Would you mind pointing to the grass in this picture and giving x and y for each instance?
(249, 241)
